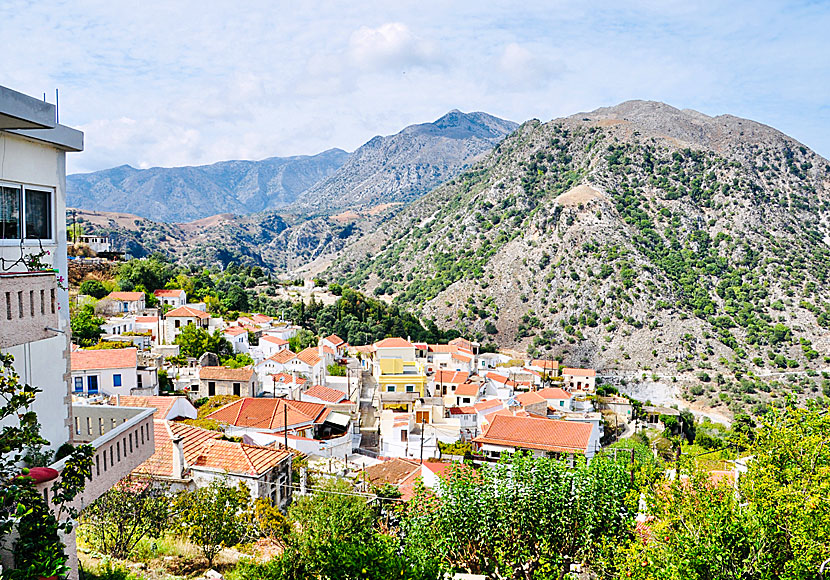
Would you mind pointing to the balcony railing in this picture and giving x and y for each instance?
(122, 438)
(28, 307)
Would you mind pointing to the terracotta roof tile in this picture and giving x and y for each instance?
(147, 319)
(262, 318)
(163, 405)
(286, 378)
(335, 340)
(126, 296)
(545, 364)
(537, 433)
(168, 293)
(309, 355)
(529, 399)
(235, 331)
(394, 471)
(112, 358)
(554, 393)
(187, 312)
(394, 342)
(244, 374)
(327, 394)
(450, 377)
(273, 340)
(282, 356)
(467, 390)
(270, 414)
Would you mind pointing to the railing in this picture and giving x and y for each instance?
(28, 307)
(122, 438)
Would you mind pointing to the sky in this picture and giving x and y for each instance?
(180, 82)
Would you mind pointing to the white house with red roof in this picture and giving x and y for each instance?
(540, 436)
(289, 385)
(282, 330)
(557, 399)
(444, 384)
(324, 396)
(532, 402)
(501, 385)
(171, 298)
(268, 346)
(167, 408)
(279, 362)
(124, 302)
(580, 379)
(402, 434)
(238, 337)
(148, 324)
(178, 318)
(454, 357)
(312, 428)
(336, 344)
(108, 372)
(188, 457)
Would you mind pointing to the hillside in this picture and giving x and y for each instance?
(181, 194)
(688, 251)
(263, 239)
(401, 167)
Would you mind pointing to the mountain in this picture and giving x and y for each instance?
(399, 168)
(181, 194)
(687, 253)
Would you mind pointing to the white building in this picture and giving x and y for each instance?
(35, 325)
(171, 298)
(178, 318)
(238, 337)
(110, 372)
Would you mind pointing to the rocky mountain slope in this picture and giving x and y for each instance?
(401, 167)
(264, 239)
(181, 194)
(687, 251)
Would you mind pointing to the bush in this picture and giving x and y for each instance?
(93, 288)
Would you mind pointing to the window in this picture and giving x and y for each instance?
(561, 403)
(25, 213)
(194, 387)
(410, 388)
(140, 381)
(92, 385)
(237, 389)
(404, 435)
(466, 399)
(390, 388)
(116, 380)
(211, 388)
(177, 323)
(79, 384)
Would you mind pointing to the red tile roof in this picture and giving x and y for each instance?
(147, 319)
(537, 433)
(555, 393)
(485, 405)
(467, 390)
(126, 296)
(282, 356)
(286, 378)
(168, 293)
(335, 340)
(187, 312)
(545, 364)
(327, 394)
(204, 449)
(394, 471)
(261, 318)
(270, 413)
(394, 343)
(450, 377)
(309, 355)
(235, 331)
(530, 399)
(273, 340)
(243, 374)
(113, 358)
(579, 372)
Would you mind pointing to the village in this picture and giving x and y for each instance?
(355, 411)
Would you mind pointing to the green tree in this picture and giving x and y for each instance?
(131, 510)
(303, 339)
(235, 299)
(500, 521)
(151, 274)
(93, 288)
(86, 327)
(238, 361)
(213, 518)
(195, 341)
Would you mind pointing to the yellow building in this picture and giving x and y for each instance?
(401, 376)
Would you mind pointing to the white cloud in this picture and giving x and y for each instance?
(391, 45)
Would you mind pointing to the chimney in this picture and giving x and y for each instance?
(179, 464)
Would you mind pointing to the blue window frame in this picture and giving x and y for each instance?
(79, 384)
(116, 380)
(92, 385)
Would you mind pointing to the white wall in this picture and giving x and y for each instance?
(106, 378)
(45, 363)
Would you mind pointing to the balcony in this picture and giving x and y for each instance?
(122, 438)
(28, 307)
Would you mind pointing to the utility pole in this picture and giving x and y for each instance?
(285, 422)
(423, 434)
